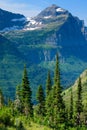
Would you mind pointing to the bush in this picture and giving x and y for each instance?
(20, 126)
(5, 117)
(2, 127)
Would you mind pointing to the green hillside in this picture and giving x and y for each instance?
(67, 92)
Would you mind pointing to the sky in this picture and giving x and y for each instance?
(31, 8)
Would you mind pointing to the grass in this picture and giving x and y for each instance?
(37, 127)
(33, 126)
(40, 127)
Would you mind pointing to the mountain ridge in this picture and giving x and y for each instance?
(11, 21)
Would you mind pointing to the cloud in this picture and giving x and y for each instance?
(23, 8)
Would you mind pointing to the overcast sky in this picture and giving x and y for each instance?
(31, 8)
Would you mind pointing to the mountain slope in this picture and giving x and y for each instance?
(11, 60)
(11, 68)
(67, 92)
(11, 21)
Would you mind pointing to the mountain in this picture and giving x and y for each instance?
(53, 30)
(48, 16)
(11, 21)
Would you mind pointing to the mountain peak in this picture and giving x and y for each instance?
(49, 15)
(54, 6)
(52, 10)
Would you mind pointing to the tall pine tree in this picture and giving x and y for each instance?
(18, 101)
(71, 106)
(49, 109)
(41, 101)
(26, 95)
(79, 106)
(48, 84)
(49, 98)
(58, 104)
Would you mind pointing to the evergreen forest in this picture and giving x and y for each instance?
(50, 111)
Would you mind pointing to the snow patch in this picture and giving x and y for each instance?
(47, 17)
(59, 10)
(26, 29)
(33, 23)
(28, 18)
(40, 23)
(21, 19)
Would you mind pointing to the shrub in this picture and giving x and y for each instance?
(20, 126)
(5, 117)
(2, 127)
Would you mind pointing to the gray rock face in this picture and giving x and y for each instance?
(53, 11)
(50, 14)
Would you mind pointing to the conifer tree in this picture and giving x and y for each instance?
(1, 99)
(58, 104)
(79, 106)
(18, 101)
(41, 101)
(71, 107)
(48, 84)
(85, 113)
(49, 98)
(18, 91)
(49, 109)
(9, 102)
(26, 94)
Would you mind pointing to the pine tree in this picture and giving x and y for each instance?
(41, 101)
(18, 91)
(1, 99)
(58, 104)
(26, 94)
(48, 84)
(79, 106)
(49, 109)
(9, 102)
(71, 107)
(18, 101)
(49, 98)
